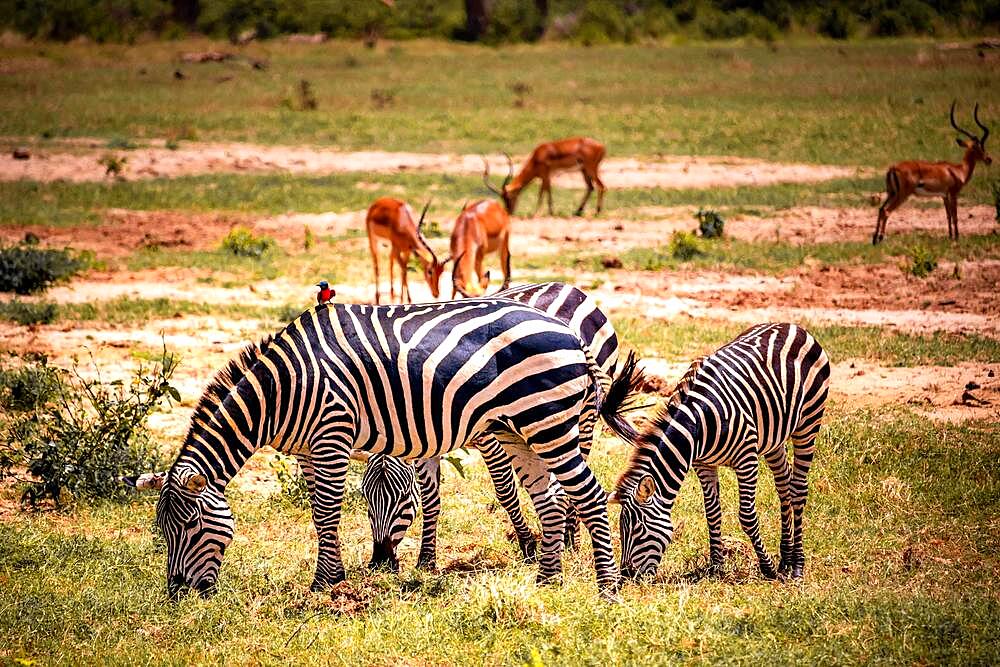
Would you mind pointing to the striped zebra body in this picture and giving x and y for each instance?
(406, 381)
(736, 405)
(389, 489)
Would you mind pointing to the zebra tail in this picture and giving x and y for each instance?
(621, 395)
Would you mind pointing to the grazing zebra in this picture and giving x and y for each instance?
(388, 483)
(734, 406)
(411, 381)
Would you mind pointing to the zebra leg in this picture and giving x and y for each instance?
(709, 478)
(545, 496)
(429, 480)
(777, 461)
(803, 447)
(502, 474)
(590, 499)
(588, 424)
(330, 471)
(306, 467)
(746, 475)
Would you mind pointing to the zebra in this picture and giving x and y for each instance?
(388, 483)
(412, 381)
(740, 403)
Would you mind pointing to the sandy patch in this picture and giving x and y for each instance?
(951, 393)
(80, 163)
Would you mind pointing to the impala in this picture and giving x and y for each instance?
(392, 220)
(482, 227)
(580, 153)
(934, 179)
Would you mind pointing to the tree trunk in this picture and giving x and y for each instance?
(477, 19)
(186, 11)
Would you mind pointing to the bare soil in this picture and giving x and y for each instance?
(78, 161)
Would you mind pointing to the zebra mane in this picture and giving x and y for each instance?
(224, 380)
(649, 436)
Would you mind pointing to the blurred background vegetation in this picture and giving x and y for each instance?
(497, 21)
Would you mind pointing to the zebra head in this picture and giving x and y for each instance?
(389, 486)
(197, 526)
(645, 524)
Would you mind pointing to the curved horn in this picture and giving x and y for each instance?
(986, 130)
(486, 180)
(424, 213)
(955, 125)
(510, 172)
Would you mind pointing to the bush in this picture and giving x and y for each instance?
(292, 482)
(27, 313)
(710, 224)
(29, 387)
(600, 22)
(684, 246)
(714, 24)
(514, 21)
(80, 435)
(26, 268)
(836, 22)
(244, 243)
(922, 262)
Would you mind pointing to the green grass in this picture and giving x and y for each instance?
(857, 103)
(131, 311)
(900, 536)
(682, 340)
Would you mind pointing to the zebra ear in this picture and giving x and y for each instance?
(645, 490)
(193, 481)
(149, 480)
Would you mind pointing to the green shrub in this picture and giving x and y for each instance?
(714, 24)
(291, 481)
(26, 268)
(922, 262)
(514, 21)
(29, 386)
(82, 435)
(710, 224)
(600, 22)
(837, 22)
(244, 243)
(27, 313)
(684, 246)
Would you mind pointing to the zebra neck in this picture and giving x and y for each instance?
(220, 442)
(673, 450)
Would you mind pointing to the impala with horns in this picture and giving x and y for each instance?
(934, 179)
(482, 227)
(547, 159)
(392, 220)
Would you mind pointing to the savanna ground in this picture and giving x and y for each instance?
(788, 144)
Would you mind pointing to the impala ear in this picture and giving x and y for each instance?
(645, 490)
(149, 480)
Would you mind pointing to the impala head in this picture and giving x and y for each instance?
(507, 192)
(645, 525)
(434, 268)
(975, 146)
(197, 526)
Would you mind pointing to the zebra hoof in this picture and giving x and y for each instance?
(427, 564)
(768, 572)
(528, 547)
(323, 586)
(552, 579)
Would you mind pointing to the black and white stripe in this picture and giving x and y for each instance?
(406, 381)
(734, 406)
(391, 509)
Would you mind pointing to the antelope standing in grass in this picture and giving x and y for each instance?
(392, 220)
(934, 179)
(482, 227)
(580, 153)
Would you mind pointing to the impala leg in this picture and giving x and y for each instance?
(541, 194)
(373, 246)
(600, 193)
(404, 283)
(505, 260)
(951, 209)
(586, 196)
(393, 258)
(548, 191)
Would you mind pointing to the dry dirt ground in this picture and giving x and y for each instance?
(78, 161)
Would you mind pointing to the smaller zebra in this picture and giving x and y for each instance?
(390, 485)
(732, 407)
